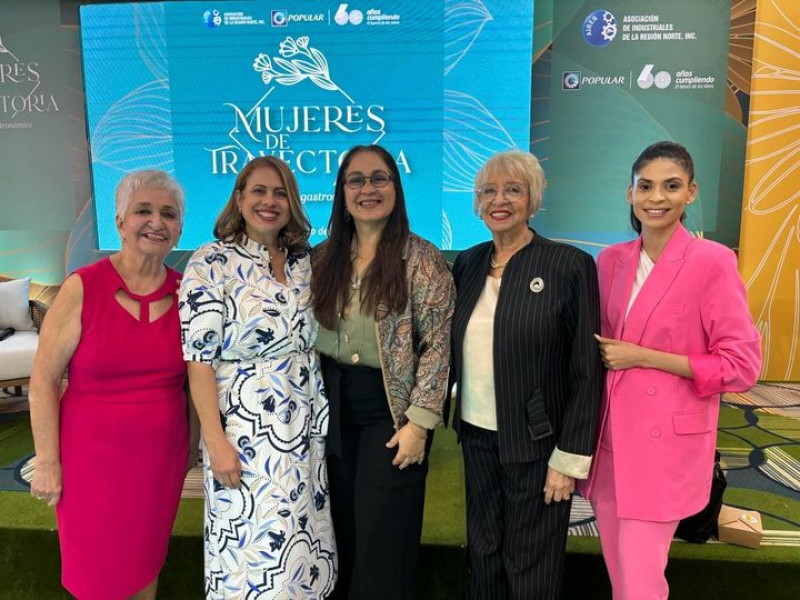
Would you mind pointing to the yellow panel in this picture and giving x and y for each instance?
(769, 257)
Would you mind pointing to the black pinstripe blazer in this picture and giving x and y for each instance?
(547, 372)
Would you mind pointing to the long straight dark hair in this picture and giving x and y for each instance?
(384, 283)
(666, 149)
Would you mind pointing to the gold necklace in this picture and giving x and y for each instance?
(499, 265)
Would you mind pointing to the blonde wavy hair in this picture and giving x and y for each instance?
(230, 225)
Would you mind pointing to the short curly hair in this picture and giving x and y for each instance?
(151, 179)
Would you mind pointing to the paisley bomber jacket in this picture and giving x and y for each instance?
(415, 343)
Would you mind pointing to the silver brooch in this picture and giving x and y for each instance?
(537, 285)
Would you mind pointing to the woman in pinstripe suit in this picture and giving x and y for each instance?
(529, 381)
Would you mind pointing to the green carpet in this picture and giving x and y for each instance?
(29, 564)
(15, 438)
(29, 559)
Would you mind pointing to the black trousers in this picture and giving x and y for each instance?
(516, 542)
(376, 508)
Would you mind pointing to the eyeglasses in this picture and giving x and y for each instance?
(513, 192)
(378, 179)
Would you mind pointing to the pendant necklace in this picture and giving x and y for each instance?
(355, 286)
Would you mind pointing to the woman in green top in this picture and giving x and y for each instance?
(384, 298)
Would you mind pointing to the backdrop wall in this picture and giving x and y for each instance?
(770, 248)
(47, 223)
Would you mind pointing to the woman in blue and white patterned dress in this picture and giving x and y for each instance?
(248, 339)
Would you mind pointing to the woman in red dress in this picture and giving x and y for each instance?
(111, 453)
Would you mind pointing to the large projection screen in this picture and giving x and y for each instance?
(198, 88)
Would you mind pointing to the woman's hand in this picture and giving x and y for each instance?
(558, 487)
(224, 462)
(618, 355)
(410, 440)
(46, 484)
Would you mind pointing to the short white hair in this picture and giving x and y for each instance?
(152, 179)
(519, 165)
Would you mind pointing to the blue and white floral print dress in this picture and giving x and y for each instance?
(273, 537)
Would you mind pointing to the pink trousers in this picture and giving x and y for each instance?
(635, 552)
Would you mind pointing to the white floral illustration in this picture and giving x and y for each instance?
(4, 50)
(298, 61)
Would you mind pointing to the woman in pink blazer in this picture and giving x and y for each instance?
(676, 332)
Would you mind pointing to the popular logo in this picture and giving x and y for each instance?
(212, 18)
(571, 80)
(342, 17)
(646, 79)
(599, 28)
(279, 18)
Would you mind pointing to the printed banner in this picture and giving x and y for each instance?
(625, 75)
(198, 88)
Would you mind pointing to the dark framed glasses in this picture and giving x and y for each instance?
(378, 179)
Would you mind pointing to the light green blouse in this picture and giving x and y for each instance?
(355, 342)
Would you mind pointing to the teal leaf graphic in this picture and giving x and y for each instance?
(151, 39)
(136, 131)
(463, 22)
(471, 135)
(447, 232)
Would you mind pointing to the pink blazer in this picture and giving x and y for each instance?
(664, 427)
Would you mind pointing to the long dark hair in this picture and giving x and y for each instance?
(384, 283)
(665, 149)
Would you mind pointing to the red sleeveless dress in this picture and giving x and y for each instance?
(124, 440)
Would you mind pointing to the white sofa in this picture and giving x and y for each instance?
(25, 316)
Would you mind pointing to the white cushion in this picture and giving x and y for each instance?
(16, 355)
(14, 309)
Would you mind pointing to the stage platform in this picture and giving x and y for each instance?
(759, 440)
